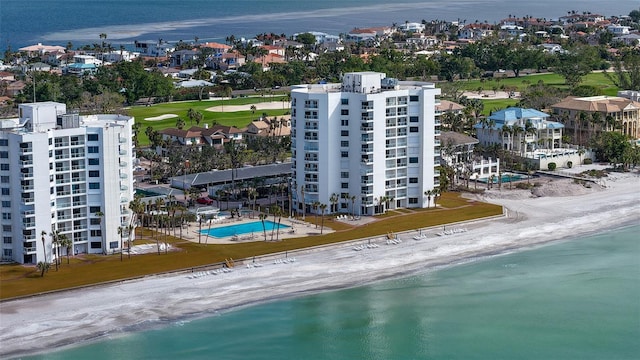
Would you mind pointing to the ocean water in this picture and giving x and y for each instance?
(56, 22)
(577, 299)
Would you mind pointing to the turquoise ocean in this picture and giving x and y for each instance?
(572, 299)
(57, 22)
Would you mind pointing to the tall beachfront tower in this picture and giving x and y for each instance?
(65, 173)
(372, 141)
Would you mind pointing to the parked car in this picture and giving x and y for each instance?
(205, 201)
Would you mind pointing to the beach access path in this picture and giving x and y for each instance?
(41, 323)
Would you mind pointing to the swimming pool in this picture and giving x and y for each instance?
(244, 228)
(505, 178)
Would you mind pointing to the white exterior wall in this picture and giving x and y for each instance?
(364, 136)
(51, 184)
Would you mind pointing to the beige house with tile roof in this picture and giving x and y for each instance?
(615, 113)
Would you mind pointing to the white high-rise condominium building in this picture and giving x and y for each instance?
(67, 174)
(371, 141)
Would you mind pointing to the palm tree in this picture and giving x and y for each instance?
(55, 246)
(315, 206)
(44, 250)
(262, 217)
(180, 123)
(436, 196)
(323, 207)
(159, 203)
(333, 199)
(65, 242)
(304, 210)
(275, 209)
(428, 194)
(120, 232)
(42, 267)
(353, 206)
(130, 230)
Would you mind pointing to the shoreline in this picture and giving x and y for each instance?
(78, 317)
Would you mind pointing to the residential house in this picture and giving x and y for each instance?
(198, 137)
(519, 130)
(475, 31)
(40, 50)
(153, 48)
(83, 64)
(413, 27)
(457, 152)
(181, 57)
(586, 116)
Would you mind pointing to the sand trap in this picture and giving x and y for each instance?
(161, 117)
(41, 323)
(259, 106)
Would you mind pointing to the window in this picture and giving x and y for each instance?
(113, 245)
(4, 142)
(344, 101)
(413, 180)
(344, 143)
(4, 167)
(94, 221)
(413, 129)
(4, 179)
(413, 201)
(8, 253)
(414, 119)
(7, 239)
(343, 154)
(94, 186)
(344, 112)
(413, 160)
(344, 174)
(4, 154)
(94, 209)
(94, 173)
(414, 98)
(6, 204)
(344, 185)
(6, 216)
(344, 133)
(6, 191)
(92, 137)
(93, 149)
(94, 161)
(96, 245)
(96, 232)
(344, 122)
(6, 228)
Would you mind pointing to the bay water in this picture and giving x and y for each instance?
(57, 22)
(575, 299)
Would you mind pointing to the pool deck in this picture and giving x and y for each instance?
(297, 228)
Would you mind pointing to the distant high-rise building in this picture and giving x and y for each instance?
(371, 141)
(66, 174)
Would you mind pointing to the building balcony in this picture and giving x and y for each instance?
(123, 152)
(29, 250)
(123, 164)
(124, 176)
(122, 140)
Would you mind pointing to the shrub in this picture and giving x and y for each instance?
(569, 164)
(587, 161)
(551, 166)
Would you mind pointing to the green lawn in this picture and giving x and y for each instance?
(238, 119)
(18, 280)
(595, 79)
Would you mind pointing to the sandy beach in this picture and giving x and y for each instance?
(559, 210)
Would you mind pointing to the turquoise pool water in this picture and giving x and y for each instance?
(244, 228)
(505, 178)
